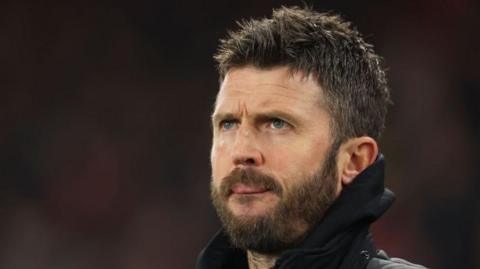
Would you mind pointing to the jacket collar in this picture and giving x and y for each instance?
(363, 201)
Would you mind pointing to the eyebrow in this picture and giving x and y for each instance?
(217, 117)
(264, 116)
(258, 117)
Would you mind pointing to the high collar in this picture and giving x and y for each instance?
(359, 204)
(363, 201)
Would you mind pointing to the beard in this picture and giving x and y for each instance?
(278, 228)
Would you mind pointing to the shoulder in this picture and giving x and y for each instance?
(382, 261)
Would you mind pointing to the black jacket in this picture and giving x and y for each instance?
(340, 241)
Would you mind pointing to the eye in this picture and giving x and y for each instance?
(226, 125)
(278, 124)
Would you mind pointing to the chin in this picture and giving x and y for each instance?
(250, 209)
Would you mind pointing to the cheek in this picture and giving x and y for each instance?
(316, 152)
(219, 160)
(293, 154)
(302, 157)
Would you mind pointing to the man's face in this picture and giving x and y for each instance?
(273, 167)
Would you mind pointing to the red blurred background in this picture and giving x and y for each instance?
(105, 131)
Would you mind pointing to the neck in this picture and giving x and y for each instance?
(260, 261)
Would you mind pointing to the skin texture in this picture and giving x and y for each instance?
(275, 121)
(251, 98)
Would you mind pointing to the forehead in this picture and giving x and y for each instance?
(279, 85)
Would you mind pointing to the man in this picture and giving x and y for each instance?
(296, 174)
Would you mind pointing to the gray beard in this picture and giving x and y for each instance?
(277, 230)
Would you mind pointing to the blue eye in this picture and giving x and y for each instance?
(227, 125)
(278, 124)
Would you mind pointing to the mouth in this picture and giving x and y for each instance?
(241, 189)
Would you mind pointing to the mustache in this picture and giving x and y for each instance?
(249, 177)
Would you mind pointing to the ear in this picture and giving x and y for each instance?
(355, 155)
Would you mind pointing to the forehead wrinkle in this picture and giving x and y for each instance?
(279, 101)
(242, 108)
(295, 88)
(239, 109)
(287, 85)
(285, 97)
(291, 93)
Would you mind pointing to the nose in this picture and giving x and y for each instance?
(246, 151)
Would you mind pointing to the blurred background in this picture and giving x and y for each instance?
(105, 130)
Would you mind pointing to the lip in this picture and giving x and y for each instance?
(245, 190)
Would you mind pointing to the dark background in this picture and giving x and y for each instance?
(105, 131)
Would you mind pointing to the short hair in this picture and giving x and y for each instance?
(325, 46)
